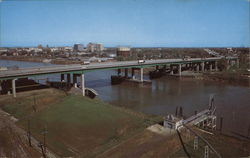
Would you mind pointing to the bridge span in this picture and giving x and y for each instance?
(78, 70)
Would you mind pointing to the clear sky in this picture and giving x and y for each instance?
(135, 23)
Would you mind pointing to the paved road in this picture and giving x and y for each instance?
(25, 72)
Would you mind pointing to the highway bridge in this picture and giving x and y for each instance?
(78, 69)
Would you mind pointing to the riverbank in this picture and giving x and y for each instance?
(232, 78)
(76, 125)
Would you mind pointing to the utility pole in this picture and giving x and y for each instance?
(196, 143)
(42, 148)
(34, 105)
(248, 133)
(29, 133)
(206, 154)
(176, 111)
(44, 138)
(181, 112)
(221, 123)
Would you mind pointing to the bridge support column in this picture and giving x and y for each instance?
(118, 72)
(210, 67)
(157, 67)
(216, 66)
(202, 66)
(197, 67)
(179, 69)
(237, 63)
(1, 87)
(75, 80)
(62, 77)
(83, 84)
(68, 78)
(164, 68)
(14, 88)
(171, 70)
(126, 72)
(228, 64)
(141, 78)
(133, 73)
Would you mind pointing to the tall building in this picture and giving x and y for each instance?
(78, 47)
(95, 47)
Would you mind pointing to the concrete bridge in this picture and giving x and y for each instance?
(199, 64)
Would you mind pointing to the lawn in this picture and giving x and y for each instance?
(76, 125)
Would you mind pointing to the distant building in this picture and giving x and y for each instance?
(78, 47)
(70, 49)
(95, 47)
(3, 50)
(123, 51)
(3, 68)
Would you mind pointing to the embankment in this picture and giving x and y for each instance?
(75, 125)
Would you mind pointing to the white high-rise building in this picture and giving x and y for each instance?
(95, 47)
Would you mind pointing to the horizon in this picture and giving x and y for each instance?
(171, 24)
(44, 46)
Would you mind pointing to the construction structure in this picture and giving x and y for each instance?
(204, 119)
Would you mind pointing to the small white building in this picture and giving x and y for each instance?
(3, 68)
(172, 122)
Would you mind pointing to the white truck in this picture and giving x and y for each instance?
(85, 62)
(141, 61)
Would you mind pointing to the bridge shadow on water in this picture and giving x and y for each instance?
(98, 83)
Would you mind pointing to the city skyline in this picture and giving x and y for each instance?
(173, 23)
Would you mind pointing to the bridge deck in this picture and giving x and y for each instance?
(58, 69)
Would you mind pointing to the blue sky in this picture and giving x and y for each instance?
(137, 23)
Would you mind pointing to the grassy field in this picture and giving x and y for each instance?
(76, 125)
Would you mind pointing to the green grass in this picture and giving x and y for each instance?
(77, 125)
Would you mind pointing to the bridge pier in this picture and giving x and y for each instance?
(228, 64)
(210, 67)
(202, 66)
(68, 78)
(164, 68)
(133, 73)
(179, 69)
(216, 66)
(171, 70)
(126, 72)
(75, 80)
(14, 88)
(83, 84)
(157, 67)
(237, 63)
(197, 67)
(62, 77)
(118, 72)
(141, 74)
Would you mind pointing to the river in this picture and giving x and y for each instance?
(166, 93)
